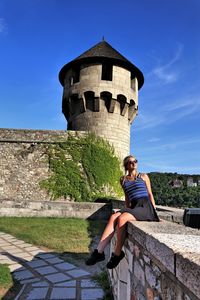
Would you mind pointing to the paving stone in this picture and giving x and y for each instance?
(59, 277)
(35, 252)
(7, 248)
(15, 267)
(28, 258)
(88, 283)
(37, 294)
(4, 244)
(77, 273)
(36, 263)
(27, 245)
(32, 248)
(10, 239)
(46, 270)
(21, 275)
(54, 260)
(18, 242)
(31, 280)
(46, 255)
(40, 284)
(23, 255)
(63, 293)
(19, 269)
(92, 294)
(65, 266)
(7, 261)
(71, 283)
(16, 252)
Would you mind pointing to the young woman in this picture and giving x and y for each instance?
(139, 206)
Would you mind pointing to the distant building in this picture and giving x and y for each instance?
(176, 183)
(190, 182)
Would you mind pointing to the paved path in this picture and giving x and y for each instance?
(44, 275)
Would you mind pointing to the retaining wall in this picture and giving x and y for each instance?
(162, 261)
(59, 209)
(24, 162)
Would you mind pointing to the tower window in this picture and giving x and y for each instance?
(106, 71)
(75, 76)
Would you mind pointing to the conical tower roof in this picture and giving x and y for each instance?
(103, 52)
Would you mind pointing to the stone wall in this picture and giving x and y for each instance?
(23, 162)
(58, 209)
(162, 261)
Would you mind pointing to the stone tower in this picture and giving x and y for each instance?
(101, 95)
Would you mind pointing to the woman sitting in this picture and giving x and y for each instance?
(139, 206)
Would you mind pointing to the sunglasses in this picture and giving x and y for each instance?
(131, 162)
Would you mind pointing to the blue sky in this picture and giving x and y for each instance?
(162, 38)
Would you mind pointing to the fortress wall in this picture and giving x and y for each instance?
(23, 162)
(162, 261)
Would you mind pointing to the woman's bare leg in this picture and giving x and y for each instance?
(108, 232)
(121, 230)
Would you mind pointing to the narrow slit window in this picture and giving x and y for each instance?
(106, 71)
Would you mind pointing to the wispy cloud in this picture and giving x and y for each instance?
(166, 72)
(169, 113)
(3, 25)
(153, 140)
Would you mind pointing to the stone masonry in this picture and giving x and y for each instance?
(24, 163)
(162, 262)
(100, 95)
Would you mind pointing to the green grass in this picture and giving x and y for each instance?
(62, 235)
(103, 281)
(5, 277)
(70, 237)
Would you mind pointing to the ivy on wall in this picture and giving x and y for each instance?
(83, 169)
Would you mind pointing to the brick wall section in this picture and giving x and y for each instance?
(162, 261)
(23, 162)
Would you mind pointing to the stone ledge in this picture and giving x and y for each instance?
(28, 208)
(174, 246)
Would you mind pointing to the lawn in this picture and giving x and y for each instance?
(62, 235)
(65, 236)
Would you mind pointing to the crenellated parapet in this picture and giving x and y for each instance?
(118, 96)
(100, 95)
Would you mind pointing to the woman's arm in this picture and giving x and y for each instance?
(145, 177)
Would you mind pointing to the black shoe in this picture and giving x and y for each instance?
(94, 258)
(114, 260)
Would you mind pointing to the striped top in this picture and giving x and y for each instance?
(135, 189)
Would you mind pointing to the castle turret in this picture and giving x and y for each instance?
(101, 94)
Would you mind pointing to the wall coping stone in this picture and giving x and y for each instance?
(28, 208)
(174, 246)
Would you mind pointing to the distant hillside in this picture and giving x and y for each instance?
(173, 189)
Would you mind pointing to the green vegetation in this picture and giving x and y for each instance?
(8, 288)
(166, 194)
(83, 169)
(5, 277)
(69, 237)
(63, 235)
(103, 280)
